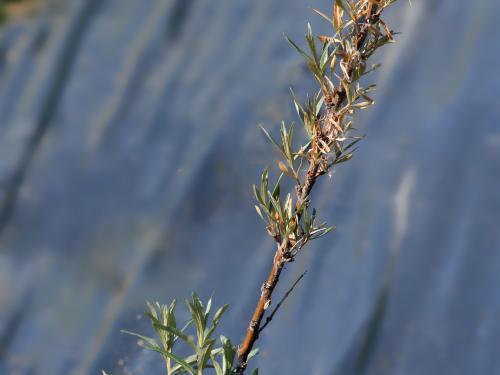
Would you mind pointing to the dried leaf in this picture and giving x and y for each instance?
(338, 13)
(283, 168)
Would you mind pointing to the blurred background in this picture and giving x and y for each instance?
(128, 148)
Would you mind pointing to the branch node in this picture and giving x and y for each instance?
(253, 325)
(267, 304)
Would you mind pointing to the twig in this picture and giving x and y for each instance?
(271, 316)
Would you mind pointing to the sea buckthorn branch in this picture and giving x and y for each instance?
(337, 63)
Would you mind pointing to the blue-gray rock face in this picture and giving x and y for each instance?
(128, 148)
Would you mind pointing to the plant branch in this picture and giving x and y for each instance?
(326, 131)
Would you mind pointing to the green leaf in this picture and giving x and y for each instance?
(352, 144)
(256, 193)
(204, 353)
(174, 357)
(253, 353)
(344, 158)
(348, 91)
(358, 72)
(299, 50)
(362, 105)
(323, 61)
(276, 204)
(321, 14)
(263, 186)
(312, 45)
(315, 69)
(286, 140)
(373, 68)
(319, 104)
(271, 139)
(327, 230)
(170, 321)
(209, 306)
(259, 212)
(190, 360)
(322, 232)
(217, 367)
(187, 325)
(276, 190)
(298, 107)
(148, 340)
(152, 317)
(176, 332)
(344, 4)
(228, 355)
(216, 320)
(200, 319)
(219, 313)
(152, 309)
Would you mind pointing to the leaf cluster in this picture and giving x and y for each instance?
(337, 63)
(197, 335)
(284, 218)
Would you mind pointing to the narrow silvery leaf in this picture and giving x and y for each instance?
(176, 358)
(263, 185)
(217, 367)
(219, 313)
(259, 212)
(209, 306)
(305, 55)
(321, 14)
(276, 190)
(312, 45)
(253, 353)
(271, 139)
(178, 333)
(146, 339)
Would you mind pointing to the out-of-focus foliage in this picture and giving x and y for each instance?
(5, 6)
(200, 340)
